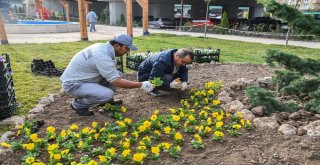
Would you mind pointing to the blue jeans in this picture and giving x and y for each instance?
(89, 94)
(92, 26)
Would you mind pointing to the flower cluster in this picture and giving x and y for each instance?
(199, 117)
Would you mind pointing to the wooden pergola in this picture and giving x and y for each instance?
(3, 34)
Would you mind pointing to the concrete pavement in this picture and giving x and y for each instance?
(107, 32)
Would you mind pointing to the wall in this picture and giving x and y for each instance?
(116, 8)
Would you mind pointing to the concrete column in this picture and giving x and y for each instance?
(116, 8)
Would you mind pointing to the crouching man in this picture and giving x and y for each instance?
(170, 66)
(91, 76)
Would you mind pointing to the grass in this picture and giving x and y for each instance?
(30, 88)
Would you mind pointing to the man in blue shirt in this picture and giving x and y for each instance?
(91, 76)
(92, 18)
(170, 66)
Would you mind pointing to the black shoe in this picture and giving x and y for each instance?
(112, 102)
(82, 111)
(155, 93)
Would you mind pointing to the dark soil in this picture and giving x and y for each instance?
(255, 147)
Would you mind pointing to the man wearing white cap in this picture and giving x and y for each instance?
(91, 76)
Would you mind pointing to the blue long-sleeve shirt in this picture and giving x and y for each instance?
(160, 64)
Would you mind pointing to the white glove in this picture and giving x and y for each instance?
(147, 86)
(184, 86)
(175, 84)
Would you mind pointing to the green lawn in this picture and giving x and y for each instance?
(30, 88)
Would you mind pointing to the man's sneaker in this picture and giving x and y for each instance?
(155, 93)
(112, 102)
(82, 111)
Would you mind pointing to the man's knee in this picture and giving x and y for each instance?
(104, 96)
(167, 78)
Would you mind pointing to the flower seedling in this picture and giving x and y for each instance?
(157, 81)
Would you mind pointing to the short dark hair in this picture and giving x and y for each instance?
(185, 52)
(113, 42)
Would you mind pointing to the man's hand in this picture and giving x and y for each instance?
(175, 84)
(184, 86)
(147, 86)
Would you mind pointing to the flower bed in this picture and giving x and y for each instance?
(126, 141)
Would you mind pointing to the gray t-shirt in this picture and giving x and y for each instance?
(92, 64)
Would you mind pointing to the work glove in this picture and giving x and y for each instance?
(147, 86)
(184, 86)
(176, 84)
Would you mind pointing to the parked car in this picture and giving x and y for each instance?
(158, 23)
(202, 22)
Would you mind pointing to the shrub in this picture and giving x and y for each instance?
(262, 97)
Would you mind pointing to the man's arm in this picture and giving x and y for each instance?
(158, 70)
(123, 83)
(184, 74)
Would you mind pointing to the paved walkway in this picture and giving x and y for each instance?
(107, 32)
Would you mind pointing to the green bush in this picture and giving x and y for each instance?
(283, 78)
(262, 97)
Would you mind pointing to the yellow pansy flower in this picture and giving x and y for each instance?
(57, 156)
(172, 110)
(4, 144)
(66, 151)
(191, 118)
(138, 157)
(156, 112)
(29, 146)
(178, 136)
(127, 120)
(85, 130)
(155, 150)
(123, 109)
(157, 132)
(63, 133)
(126, 152)
(30, 160)
(94, 124)
(236, 126)
(142, 128)
(112, 151)
(219, 117)
(51, 129)
(175, 117)
(216, 102)
(74, 127)
(147, 124)
(219, 124)
(167, 130)
(211, 92)
(218, 133)
(102, 158)
(153, 117)
(241, 121)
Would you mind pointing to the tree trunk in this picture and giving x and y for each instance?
(205, 25)
(287, 36)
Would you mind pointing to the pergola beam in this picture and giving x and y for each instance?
(145, 15)
(3, 34)
(82, 20)
(129, 16)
